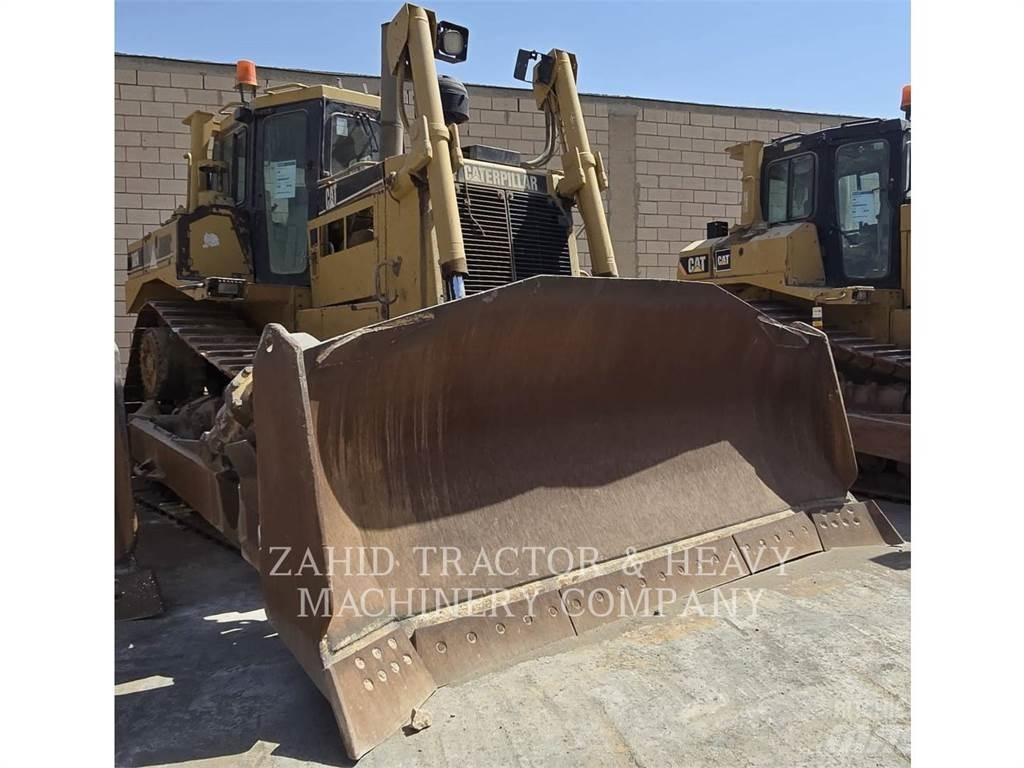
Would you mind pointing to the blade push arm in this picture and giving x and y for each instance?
(411, 45)
(554, 87)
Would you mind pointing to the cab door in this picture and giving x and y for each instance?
(862, 239)
(285, 175)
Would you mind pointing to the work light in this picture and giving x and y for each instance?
(452, 42)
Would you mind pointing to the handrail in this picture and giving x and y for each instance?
(284, 87)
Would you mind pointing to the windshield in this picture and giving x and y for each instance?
(353, 138)
(863, 208)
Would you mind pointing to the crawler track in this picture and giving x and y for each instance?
(213, 330)
(852, 351)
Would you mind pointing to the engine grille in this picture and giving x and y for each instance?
(511, 236)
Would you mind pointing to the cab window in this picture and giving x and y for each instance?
(790, 189)
(863, 208)
(352, 139)
(350, 231)
(286, 196)
(239, 166)
(801, 196)
(778, 187)
(232, 149)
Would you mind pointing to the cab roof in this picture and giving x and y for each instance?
(852, 129)
(294, 93)
(855, 129)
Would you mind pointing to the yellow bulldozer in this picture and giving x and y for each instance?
(367, 354)
(824, 238)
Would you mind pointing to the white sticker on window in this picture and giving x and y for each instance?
(341, 126)
(862, 208)
(279, 212)
(282, 180)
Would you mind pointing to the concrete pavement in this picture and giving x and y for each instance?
(818, 675)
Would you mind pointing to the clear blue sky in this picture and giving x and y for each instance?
(825, 56)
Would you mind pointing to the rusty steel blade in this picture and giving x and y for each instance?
(373, 689)
(605, 599)
(560, 413)
(464, 646)
(855, 525)
(778, 541)
(697, 569)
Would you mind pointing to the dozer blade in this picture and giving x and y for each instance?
(516, 446)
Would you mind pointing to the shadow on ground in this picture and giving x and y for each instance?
(234, 682)
(898, 514)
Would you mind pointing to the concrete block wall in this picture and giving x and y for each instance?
(666, 164)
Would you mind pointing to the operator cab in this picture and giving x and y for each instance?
(849, 182)
(276, 152)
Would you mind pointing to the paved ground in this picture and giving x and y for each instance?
(819, 676)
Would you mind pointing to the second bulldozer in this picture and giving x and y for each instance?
(377, 368)
(824, 238)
